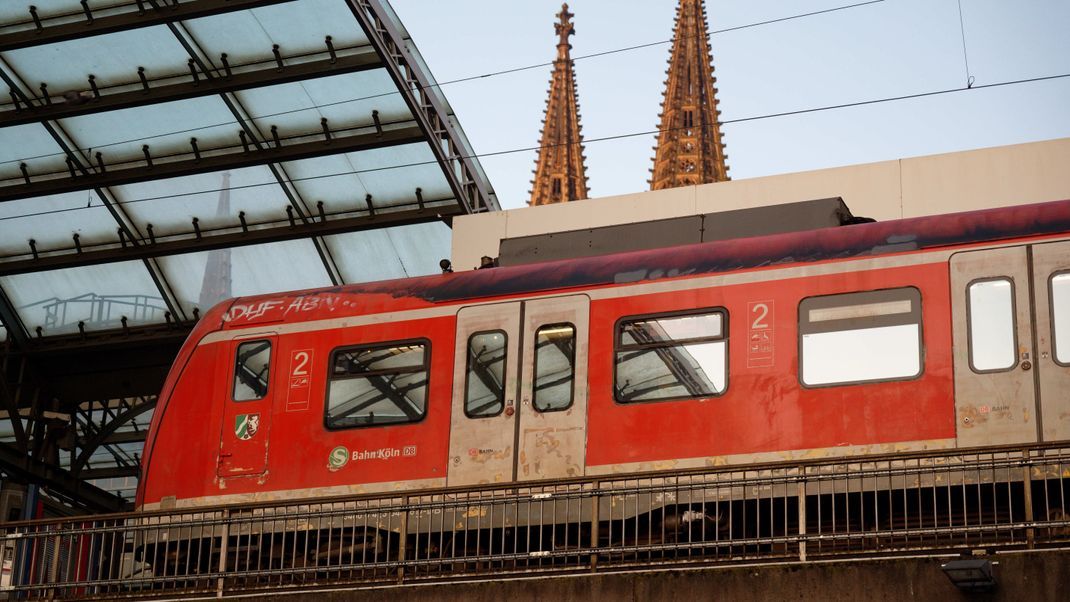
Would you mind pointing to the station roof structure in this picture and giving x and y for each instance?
(158, 156)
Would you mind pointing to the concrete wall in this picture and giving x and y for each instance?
(978, 179)
(1036, 576)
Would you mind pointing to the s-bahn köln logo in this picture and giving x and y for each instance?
(246, 425)
(340, 455)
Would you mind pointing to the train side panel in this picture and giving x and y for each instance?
(765, 414)
(303, 457)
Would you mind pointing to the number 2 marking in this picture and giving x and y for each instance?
(759, 321)
(300, 363)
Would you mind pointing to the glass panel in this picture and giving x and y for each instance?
(297, 27)
(555, 367)
(866, 310)
(991, 311)
(671, 372)
(35, 147)
(377, 385)
(215, 199)
(485, 389)
(52, 220)
(1060, 316)
(252, 370)
(398, 252)
(12, 12)
(860, 355)
(343, 181)
(654, 330)
(98, 295)
(358, 361)
(3, 333)
(345, 100)
(65, 65)
(165, 127)
(203, 279)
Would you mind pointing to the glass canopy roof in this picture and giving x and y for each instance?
(153, 162)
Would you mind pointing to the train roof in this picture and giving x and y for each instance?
(842, 242)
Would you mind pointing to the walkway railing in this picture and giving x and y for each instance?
(940, 501)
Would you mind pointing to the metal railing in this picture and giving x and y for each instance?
(937, 501)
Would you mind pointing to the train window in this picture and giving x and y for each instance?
(380, 384)
(860, 337)
(485, 384)
(990, 307)
(1060, 316)
(555, 367)
(252, 368)
(677, 356)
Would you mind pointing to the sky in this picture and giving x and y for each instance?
(883, 49)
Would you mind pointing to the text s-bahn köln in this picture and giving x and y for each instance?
(927, 333)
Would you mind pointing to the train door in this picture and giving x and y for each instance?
(483, 418)
(1051, 286)
(243, 438)
(1010, 376)
(552, 438)
(519, 391)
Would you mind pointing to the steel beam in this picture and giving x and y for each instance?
(110, 472)
(365, 60)
(457, 160)
(161, 169)
(81, 26)
(55, 479)
(11, 320)
(229, 238)
(106, 431)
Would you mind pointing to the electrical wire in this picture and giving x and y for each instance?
(445, 83)
(823, 108)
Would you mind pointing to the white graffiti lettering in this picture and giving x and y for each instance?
(250, 312)
(311, 303)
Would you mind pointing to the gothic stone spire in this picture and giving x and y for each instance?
(689, 149)
(560, 175)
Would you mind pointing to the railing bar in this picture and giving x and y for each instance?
(752, 541)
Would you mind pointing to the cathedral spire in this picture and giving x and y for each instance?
(216, 284)
(689, 149)
(560, 175)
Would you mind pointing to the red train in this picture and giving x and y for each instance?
(935, 332)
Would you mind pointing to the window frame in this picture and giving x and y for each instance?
(1014, 324)
(802, 330)
(234, 367)
(468, 372)
(701, 311)
(1051, 317)
(378, 345)
(572, 364)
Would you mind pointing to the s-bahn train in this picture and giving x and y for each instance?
(927, 333)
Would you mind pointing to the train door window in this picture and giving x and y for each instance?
(485, 382)
(860, 337)
(990, 308)
(252, 368)
(379, 384)
(1060, 316)
(675, 356)
(555, 367)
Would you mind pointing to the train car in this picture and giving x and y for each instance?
(927, 333)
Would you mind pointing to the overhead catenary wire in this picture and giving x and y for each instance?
(460, 80)
(609, 138)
